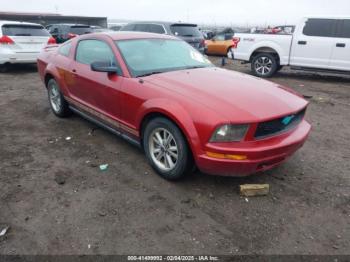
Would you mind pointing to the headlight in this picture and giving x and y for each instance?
(229, 133)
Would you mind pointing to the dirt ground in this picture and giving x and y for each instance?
(55, 199)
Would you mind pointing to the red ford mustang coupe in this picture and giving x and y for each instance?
(161, 94)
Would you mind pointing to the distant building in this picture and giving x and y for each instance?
(51, 18)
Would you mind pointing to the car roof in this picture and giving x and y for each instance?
(6, 22)
(70, 24)
(327, 17)
(163, 23)
(125, 35)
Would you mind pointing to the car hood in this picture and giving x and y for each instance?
(239, 97)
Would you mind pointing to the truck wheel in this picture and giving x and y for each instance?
(58, 104)
(166, 149)
(264, 65)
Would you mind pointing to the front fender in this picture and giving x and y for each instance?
(175, 112)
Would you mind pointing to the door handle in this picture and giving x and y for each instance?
(340, 45)
(302, 42)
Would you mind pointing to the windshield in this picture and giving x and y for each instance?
(185, 30)
(24, 30)
(149, 56)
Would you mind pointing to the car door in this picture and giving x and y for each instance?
(98, 91)
(216, 44)
(340, 59)
(313, 44)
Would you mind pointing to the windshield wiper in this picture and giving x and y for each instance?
(151, 73)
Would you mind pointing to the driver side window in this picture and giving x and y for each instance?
(90, 51)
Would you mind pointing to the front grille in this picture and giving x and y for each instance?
(279, 125)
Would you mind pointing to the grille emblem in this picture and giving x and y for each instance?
(287, 119)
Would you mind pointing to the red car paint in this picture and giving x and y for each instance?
(197, 100)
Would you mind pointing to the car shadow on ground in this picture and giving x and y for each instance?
(20, 69)
(312, 76)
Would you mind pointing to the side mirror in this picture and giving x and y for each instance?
(105, 66)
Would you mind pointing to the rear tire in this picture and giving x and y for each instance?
(264, 65)
(166, 149)
(58, 104)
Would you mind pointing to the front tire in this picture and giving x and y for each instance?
(166, 149)
(58, 104)
(264, 65)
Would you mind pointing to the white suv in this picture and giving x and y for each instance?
(21, 42)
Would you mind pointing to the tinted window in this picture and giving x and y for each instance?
(158, 29)
(185, 30)
(344, 29)
(65, 49)
(320, 27)
(228, 36)
(89, 51)
(80, 30)
(53, 30)
(24, 30)
(129, 27)
(141, 28)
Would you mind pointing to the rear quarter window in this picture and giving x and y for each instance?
(320, 27)
(65, 49)
(24, 30)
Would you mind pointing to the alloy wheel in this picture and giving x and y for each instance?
(263, 65)
(163, 149)
(55, 97)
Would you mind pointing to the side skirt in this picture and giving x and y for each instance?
(104, 126)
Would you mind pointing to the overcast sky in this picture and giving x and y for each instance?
(235, 12)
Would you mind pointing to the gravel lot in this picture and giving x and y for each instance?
(55, 199)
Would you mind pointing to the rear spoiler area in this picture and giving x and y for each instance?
(52, 47)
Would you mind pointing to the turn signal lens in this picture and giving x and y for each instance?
(226, 156)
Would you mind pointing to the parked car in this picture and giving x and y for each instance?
(221, 44)
(321, 44)
(64, 32)
(164, 96)
(21, 42)
(99, 29)
(187, 32)
(208, 34)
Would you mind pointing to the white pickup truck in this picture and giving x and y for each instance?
(318, 44)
